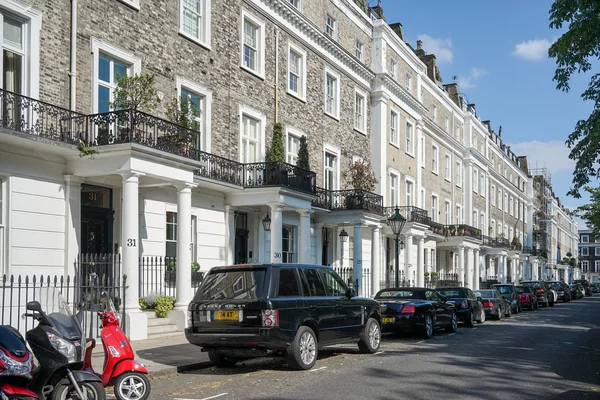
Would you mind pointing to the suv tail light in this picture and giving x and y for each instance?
(270, 318)
(408, 309)
(487, 304)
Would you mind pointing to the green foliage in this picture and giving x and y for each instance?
(85, 151)
(135, 92)
(303, 158)
(360, 175)
(184, 112)
(164, 304)
(434, 275)
(172, 266)
(573, 52)
(277, 150)
(572, 261)
(195, 267)
(590, 212)
(148, 302)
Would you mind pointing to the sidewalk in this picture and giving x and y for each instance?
(162, 357)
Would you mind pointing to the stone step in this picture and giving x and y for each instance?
(163, 335)
(162, 328)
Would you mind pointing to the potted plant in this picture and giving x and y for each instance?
(461, 229)
(426, 276)
(275, 172)
(434, 275)
(490, 230)
(361, 177)
(185, 113)
(452, 229)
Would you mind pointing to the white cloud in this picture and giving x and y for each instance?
(442, 48)
(553, 155)
(533, 50)
(469, 81)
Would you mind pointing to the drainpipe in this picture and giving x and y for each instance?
(276, 75)
(73, 71)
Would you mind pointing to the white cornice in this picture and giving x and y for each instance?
(356, 15)
(414, 107)
(288, 18)
(444, 138)
(400, 47)
(441, 96)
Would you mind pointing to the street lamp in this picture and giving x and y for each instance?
(396, 223)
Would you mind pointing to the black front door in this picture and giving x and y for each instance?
(241, 246)
(96, 231)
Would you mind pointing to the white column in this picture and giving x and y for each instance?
(503, 268)
(461, 264)
(318, 244)
(262, 257)
(469, 270)
(304, 237)
(184, 244)
(276, 232)
(477, 270)
(358, 258)
(137, 322)
(420, 162)
(420, 262)
(229, 235)
(72, 221)
(408, 239)
(379, 139)
(375, 261)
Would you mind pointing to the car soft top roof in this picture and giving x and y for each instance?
(267, 265)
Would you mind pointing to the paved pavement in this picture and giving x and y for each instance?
(549, 353)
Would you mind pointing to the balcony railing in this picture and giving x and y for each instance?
(279, 174)
(36, 118)
(353, 199)
(411, 213)
(462, 230)
(436, 227)
(496, 242)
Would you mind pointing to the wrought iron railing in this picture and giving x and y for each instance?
(411, 213)
(495, 242)
(219, 168)
(28, 116)
(353, 199)
(462, 230)
(279, 174)
(323, 199)
(436, 227)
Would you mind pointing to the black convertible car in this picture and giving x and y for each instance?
(418, 310)
(494, 304)
(468, 307)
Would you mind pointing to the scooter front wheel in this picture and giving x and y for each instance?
(93, 390)
(132, 386)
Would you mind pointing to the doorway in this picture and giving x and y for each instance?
(241, 238)
(97, 217)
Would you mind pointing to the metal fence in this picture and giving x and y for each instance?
(347, 274)
(158, 277)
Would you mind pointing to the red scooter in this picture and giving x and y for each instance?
(128, 376)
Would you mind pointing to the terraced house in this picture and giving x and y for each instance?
(186, 174)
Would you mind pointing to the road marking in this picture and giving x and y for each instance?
(420, 341)
(379, 352)
(206, 398)
(318, 369)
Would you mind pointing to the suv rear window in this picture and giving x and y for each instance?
(288, 283)
(238, 284)
(504, 289)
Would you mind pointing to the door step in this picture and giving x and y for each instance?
(160, 327)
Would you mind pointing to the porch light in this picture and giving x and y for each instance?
(343, 236)
(267, 223)
(401, 245)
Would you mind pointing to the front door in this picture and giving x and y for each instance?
(241, 246)
(96, 220)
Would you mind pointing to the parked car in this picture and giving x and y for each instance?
(575, 291)
(291, 310)
(494, 304)
(528, 297)
(417, 310)
(509, 293)
(468, 308)
(580, 290)
(562, 290)
(594, 288)
(586, 286)
(542, 290)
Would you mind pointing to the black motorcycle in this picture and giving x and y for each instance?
(58, 345)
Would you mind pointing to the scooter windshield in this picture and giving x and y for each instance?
(59, 313)
(106, 304)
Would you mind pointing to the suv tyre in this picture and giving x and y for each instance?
(303, 351)
(370, 339)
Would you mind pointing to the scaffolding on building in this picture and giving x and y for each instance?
(542, 204)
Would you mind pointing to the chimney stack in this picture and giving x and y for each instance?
(419, 45)
(397, 28)
(453, 93)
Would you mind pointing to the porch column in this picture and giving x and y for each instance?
(477, 270)
(375, 260)
(318, 244)
(461, 264)
(229, 235)
(358, 257)
(469, 273)
(304, 237)
(433, 260)
(408, 244)
(420, 267)
(184, 240)
(502, 268)
(276, 232)
(72, 221)
(137, 322)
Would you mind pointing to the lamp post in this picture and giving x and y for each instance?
(396, 223)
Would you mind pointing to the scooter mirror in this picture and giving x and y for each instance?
(34, 306)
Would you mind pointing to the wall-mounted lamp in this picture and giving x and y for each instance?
(343, 236)
(267, 223)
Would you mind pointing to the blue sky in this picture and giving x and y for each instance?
(498, 51)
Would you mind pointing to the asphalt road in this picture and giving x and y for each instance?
(551, 353)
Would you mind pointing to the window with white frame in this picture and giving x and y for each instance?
(253, 44)
(482, 184)
(331, 171)
(331, 27)
(332, 93)
(292, 146)
(510, 205)
(393, 199)
(499, 230)
(394, 137)
(475, 219)
(457, 133)
(458, 216)
(195, 20)
(493, 228)
(475, 179)
(287, 244)
(14, 53)
(435, 113)
(474, 141)
(360, 111)
(409, 82)
(585, 239)
(585, 265)
(499, 199)
(434, 159)
(458, 172)
(296, 71)
(448, 212)
(434, 208)
(409, 193)
(510, 233)
(597, 266)
(481, 221)
(447, 168)
(394, 68)
(505, 202)
(493, 195)
(171, 235)
(198, 109)
(360, 50)
(597, 251)
(410, 144)
(422, 160)
(296, 3)
(506, 231)
(447, 124)
(585, 251)
(250, 141)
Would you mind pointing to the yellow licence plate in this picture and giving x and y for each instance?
(388, 320)
(226, 315)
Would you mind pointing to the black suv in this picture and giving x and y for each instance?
(543, 291)
(246, 311)
(509, 293)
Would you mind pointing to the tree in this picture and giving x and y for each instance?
(277, 151)
(135, 92)
(303, 159)
(573, 52)
(184, 113)
(360, 175)
(590, 212)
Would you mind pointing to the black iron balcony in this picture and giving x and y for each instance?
(462, 230)
(27, 116)
(497, 242)
(411, 213)
(279, 174)
(527, 249)
(353, 199)
(219, 168)
(436, 227)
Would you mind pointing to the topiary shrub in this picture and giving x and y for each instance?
(303, 158)
(164, 304)
(148, 302)
(277, 150)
